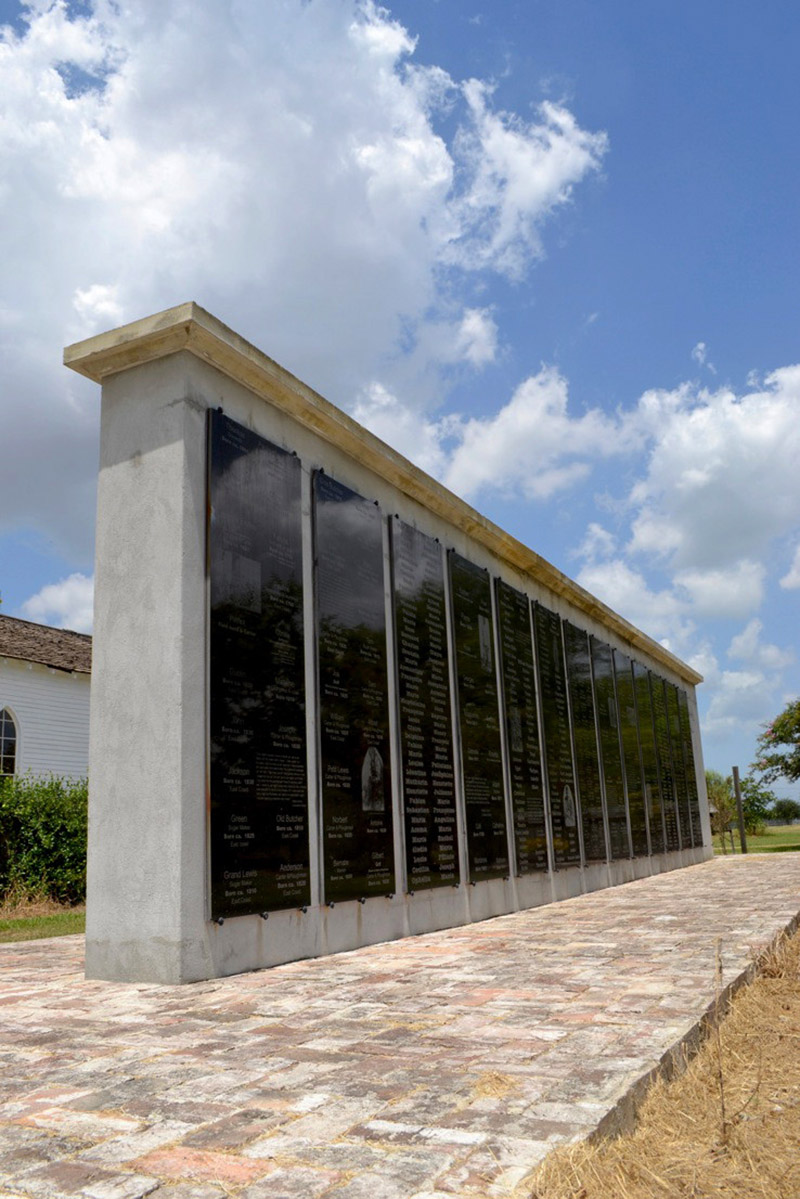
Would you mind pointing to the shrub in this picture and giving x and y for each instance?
(786, 810)
(756, 800)
(43, 824)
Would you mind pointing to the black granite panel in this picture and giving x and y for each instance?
(487, 843)
(584, 734)
(610, 757)
(647, 741)
(357, 826)
(691, 769)
(626, 704)
(678, 767)
(257, 723)
(522, 728)
(564, 812)
(664, 754)
(426, 733)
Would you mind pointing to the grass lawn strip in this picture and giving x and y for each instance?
(29, 920)
(779, 839)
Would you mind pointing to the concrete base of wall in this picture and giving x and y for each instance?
(251, 943)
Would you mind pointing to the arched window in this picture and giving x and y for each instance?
(8, 743)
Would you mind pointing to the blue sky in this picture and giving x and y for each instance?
(548, 250)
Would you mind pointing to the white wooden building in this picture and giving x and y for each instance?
(44, 699)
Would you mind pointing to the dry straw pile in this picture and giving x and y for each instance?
(729, 1127)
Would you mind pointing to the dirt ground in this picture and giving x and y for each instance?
(728, 1127)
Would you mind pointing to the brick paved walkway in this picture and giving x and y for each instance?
(439, 1066)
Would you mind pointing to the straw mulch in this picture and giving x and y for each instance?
(729, 1127)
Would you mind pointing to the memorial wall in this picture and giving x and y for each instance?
(587, 806)
(400, 718)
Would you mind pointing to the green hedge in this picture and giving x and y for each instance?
(43, 822)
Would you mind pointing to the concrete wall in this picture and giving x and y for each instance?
(148, 903)
(51, 711)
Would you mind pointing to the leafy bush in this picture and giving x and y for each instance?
(43, 824)
(756, 801)
(786, 810)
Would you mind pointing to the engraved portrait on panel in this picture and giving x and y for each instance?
(372, 794)
(569, 807)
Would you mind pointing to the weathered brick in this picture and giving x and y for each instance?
(124, 1186)
(441, 1065)
(204, 1165)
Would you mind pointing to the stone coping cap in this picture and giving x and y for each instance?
(190, 328)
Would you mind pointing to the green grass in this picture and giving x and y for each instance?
(31, 928)
(779, 839)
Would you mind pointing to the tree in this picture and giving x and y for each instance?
(773, 761)
(756, 802)
(721, 798)
(786, 810)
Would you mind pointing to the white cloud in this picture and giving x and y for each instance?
(734, 591)
(98, 304)
(743, 700)
(700, 512)
(409, 432)
(68, 604)
(722, 478)
(719, 485)
(748, 647)
(519, 173)
(791, 580)
(700, 356)
(532, 445)
(701, 509)
(477, 337)
(287, 165)
(738, 705)
(450, 344)
(660, 614)
(704, 661)
(598, 543)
